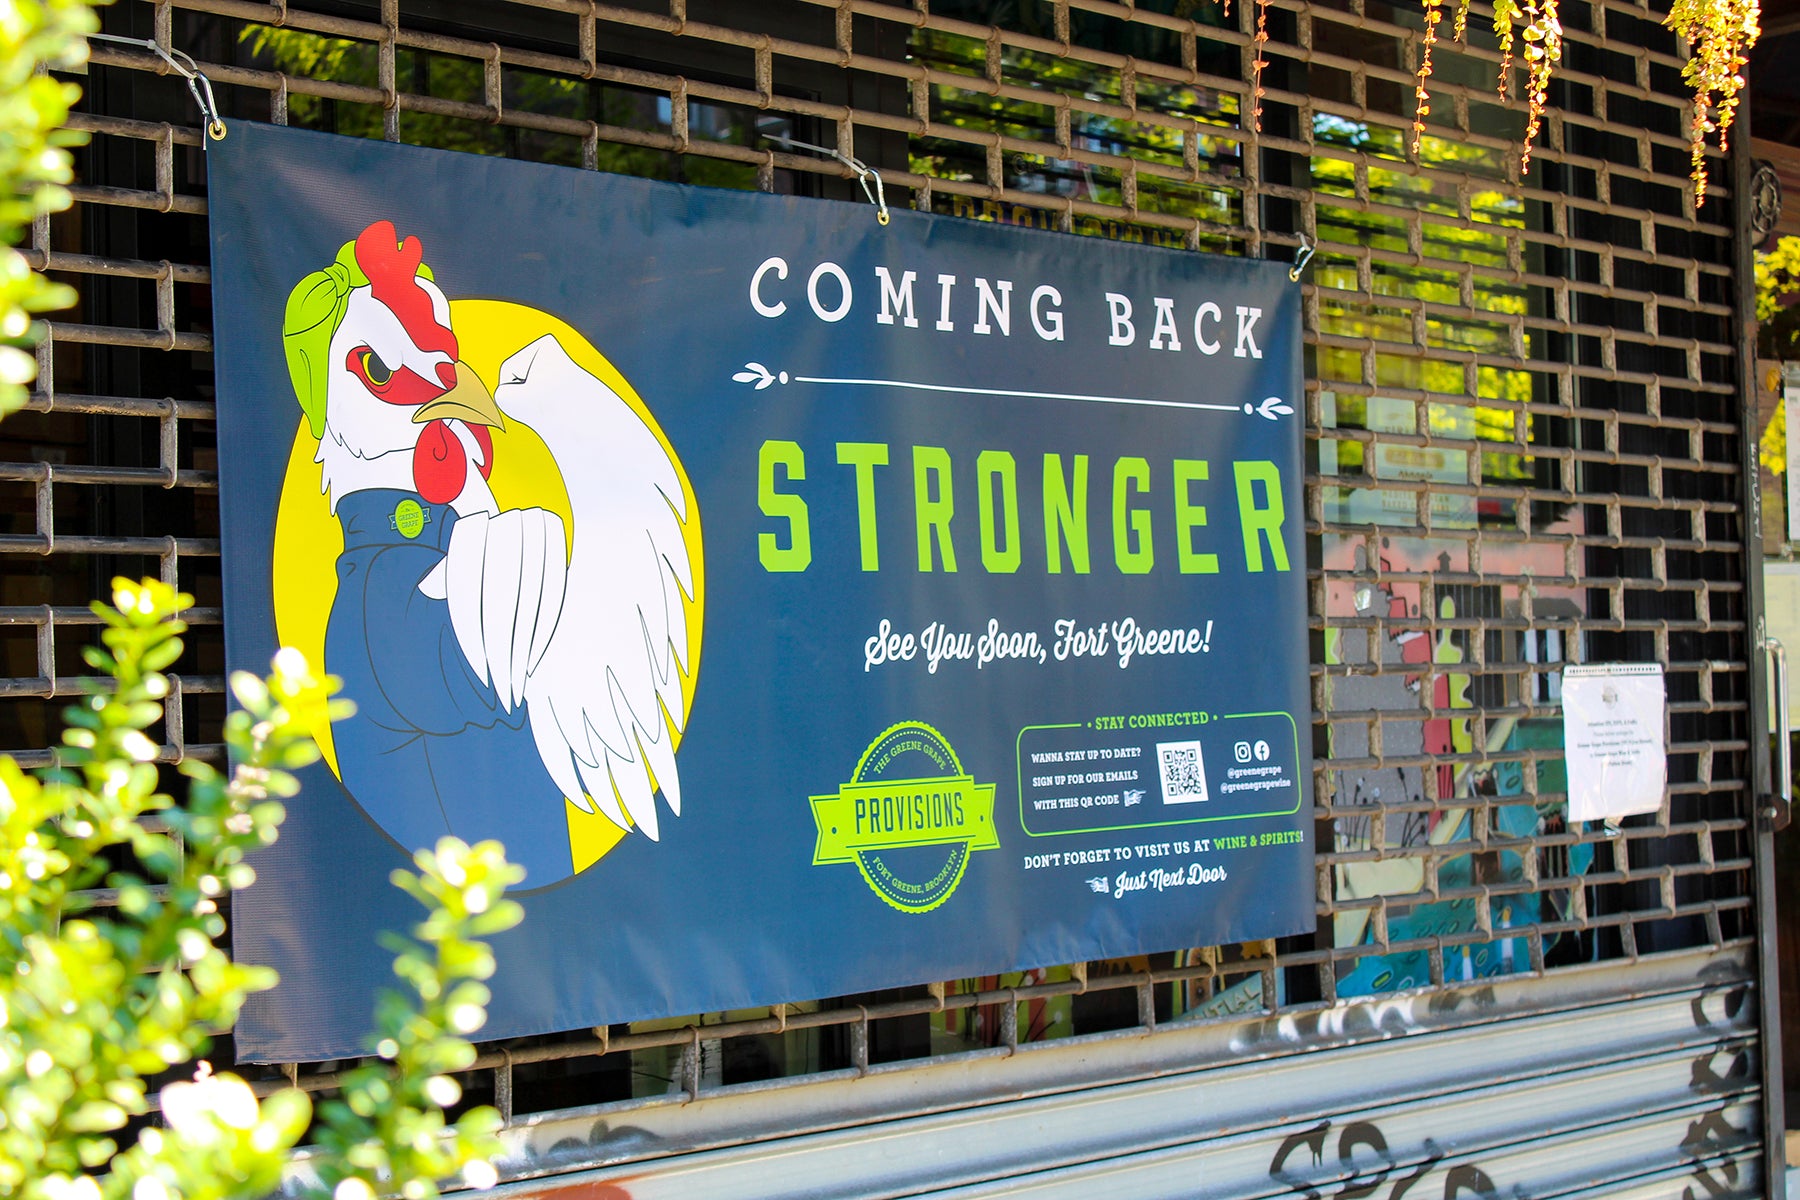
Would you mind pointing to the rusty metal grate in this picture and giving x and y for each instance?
(1522, 420)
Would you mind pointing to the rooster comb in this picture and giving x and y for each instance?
(316, 307)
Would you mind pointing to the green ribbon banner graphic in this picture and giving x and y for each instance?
(894, 813)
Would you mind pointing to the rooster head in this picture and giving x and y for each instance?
(375, 367)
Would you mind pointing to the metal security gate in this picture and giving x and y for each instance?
(1645, 1076)
(1526, 440)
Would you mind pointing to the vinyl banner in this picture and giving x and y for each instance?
(811, 604)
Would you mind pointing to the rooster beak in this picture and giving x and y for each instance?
(468, 401)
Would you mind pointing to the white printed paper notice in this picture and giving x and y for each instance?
(1613, 739)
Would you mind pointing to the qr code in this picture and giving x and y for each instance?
(1183, 772)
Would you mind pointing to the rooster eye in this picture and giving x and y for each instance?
(396, 384)
(374, 370)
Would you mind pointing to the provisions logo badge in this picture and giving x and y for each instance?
(909, 818)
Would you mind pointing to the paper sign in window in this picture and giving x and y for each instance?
(1614, 739)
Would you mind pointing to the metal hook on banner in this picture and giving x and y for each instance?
(1301, 259)
(199, 86)
(877, 195)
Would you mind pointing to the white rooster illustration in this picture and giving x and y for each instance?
(500, 661)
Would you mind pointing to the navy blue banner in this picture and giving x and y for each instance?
(811, 604)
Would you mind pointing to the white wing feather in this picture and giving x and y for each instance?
(604, 690)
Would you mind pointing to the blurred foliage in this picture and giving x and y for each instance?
(387, 1132)
(1199, 135)
(34, 165)
(97, 1001)
(304, 55)
(1777, 334)
(1777, 291)
(1719, 34)
(110, 975)
(1367, 198)
(1771, 448)
(1527, 33)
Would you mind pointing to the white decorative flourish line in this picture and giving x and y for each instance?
(760, 376)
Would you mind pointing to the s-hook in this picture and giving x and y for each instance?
(1301, 259)
(199, 86)
(877, 195)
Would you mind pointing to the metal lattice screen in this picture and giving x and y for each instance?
(1522, 418)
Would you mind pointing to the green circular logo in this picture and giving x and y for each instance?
(409, 518)
(909, 818)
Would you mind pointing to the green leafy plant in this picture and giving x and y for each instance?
(34, 164)
(1719, 33)
(98, 1001)
(110, 975)
(1777, 334)
(388, 1132)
